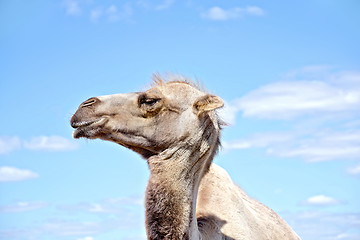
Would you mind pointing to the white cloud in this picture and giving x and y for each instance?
(136, 237)
(9, 144)
(112, 9)
(325, 225)
(110, 205)
(321, 200)
(111, 13)
(126, 11)
(228, 113)
(150, 5)
(72, 229)
(312, 146)
(343, 236)
(23, 206)
(319, 153)
(321, 108)
(72, 7)
(10, 174)
(95, 14)
(262, 140)
(67, 228)
(86, 238)
(253, 10)
(354, 170)
(322, 146)
(290, 99)
(310, 91)
(50, 143)
(165, 5)
(219, 14)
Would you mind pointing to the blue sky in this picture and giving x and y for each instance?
(288, 71)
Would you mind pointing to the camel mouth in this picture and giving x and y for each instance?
(83, 123)
(87, 129)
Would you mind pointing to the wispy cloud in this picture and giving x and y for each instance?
(321, 200)
(136, 237)
(313, 101)
(322, 146)
(262, 140)
(86, 238)
(325, 225)
(72, 7)
(97, 10)
(11, 174)
(219, 14)
(23, 207)
(9, 144)
(111, 13)
(165, 5)
(73, 228)
(114, 13)
(112, 214)
(312, 147)
(354, 170)
(41, 143)
(50, 143)
(228, 113)
(150, 5)
(312, 90)
(289, 99)
(110, 205)
(96, 13)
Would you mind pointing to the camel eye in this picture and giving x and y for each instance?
(148, 101)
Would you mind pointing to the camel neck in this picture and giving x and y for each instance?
(175, 176)
(171, 200)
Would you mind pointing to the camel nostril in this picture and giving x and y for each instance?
(90, 102)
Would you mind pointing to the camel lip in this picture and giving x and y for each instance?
(85, 123)
(82, 123)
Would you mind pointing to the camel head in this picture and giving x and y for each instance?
(146, 122)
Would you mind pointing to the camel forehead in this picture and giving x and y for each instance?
(179, 90)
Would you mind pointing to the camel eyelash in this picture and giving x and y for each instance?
(143, 99)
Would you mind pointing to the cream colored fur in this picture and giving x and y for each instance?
(237, 215)
(174, 126)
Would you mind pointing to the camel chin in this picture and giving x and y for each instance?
(90, 129)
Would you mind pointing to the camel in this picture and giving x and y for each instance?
(175, 127)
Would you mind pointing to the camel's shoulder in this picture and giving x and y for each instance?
(217, 179)
(226, 207)
(219, 204)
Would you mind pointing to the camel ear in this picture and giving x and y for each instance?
(207, 103)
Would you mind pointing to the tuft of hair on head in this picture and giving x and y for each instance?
(160, 80)
(157, 79)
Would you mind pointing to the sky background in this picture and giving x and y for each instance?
(289, 72)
